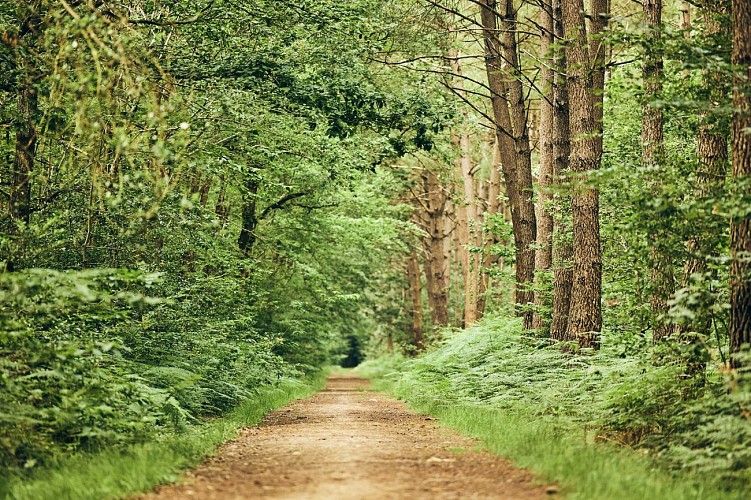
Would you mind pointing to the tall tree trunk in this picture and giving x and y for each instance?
(221, 209)
(415, 298)
(509, 113)
(23, 160)
(563, 252)
(585, 319)
(544, 214)
(740, 225)
(653, 140)
(437, 249)
(26, 76)
(247, 238)
(469, 219)
(712, 156)
(466, 216)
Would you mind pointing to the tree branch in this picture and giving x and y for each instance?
(280, 203)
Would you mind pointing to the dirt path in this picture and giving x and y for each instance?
(349, 443)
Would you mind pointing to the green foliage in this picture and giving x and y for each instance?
(161, 131)
(117, 473)
(490, 382)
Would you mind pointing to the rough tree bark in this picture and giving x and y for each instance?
(437, 248)
(509, 113)
(582, 55)
(740, 224)
(563, 252)
(544, 213)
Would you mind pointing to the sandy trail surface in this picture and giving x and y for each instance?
(347, 442)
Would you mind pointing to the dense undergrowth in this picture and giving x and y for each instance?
(96, 360)
(118, 472)
(545, 409)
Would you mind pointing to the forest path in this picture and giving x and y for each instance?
(347, 442)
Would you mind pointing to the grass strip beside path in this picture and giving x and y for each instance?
(139, 468)
(584, 470)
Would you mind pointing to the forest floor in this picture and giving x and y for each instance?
(350, 442)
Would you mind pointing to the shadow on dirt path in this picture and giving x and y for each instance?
(349, 443)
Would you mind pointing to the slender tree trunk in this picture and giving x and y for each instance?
(585, 320)
(247, 237)
(740, 225)
(469, 218)
(663, 285)
(544, 213)
(26, 73)
(712, 155)
(221, 209)
(686, 19)
(437, 249)
(204, 191)
(509, 113)
(652, 119)
(494, 207)
(415, 297)
(23, 160)
(466, 217)
(563, 252)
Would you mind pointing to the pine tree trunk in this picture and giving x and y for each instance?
(585, 319)
(470, 266)
(437, 249)
(247, 238)
(563, 252)
(544, 213)
(509, 113)
(740, 225)
(415, 298)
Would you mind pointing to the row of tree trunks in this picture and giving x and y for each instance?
(572, 85)
(495, 206)
(453, 235)
(510, 120)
